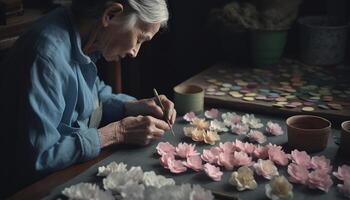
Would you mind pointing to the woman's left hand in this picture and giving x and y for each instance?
(150, 107)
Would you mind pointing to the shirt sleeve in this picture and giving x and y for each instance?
(56, 145)
(113, 104)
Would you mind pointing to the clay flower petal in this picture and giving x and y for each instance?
(227, 147)
(87, 191)
(212, 113)
(245, 147)
(176, 166)
(279, 188)
(240, 129)
(194, 162)
(274, 128)
(213, 172)
(189, 116)
(112, 167)
(242, 159)
(321, 163)
(256, 136)
(200, 123)
(277, 155)
(343, 173)
(243, 179)
(320, 179)
(261, 152)
(301, 158)
(212, 155)
(165, 148)
(231, 118)
(298, 173)
(266, 168)
(188, 130)
(198, 135)
(226, 160)
(164, 160)
(345, 188)
(251, 121)
(184, 150)
(217, 126)
(210, 137)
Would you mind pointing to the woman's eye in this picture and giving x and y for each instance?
(138, 42)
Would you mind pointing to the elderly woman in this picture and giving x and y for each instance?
(55, 102)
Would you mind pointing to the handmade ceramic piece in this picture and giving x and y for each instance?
(308, 132)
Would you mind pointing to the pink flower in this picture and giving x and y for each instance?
(212, 113)
(301, 158)
(165, 148)
(164, 160)
(189, 116)
(261, 152)
(244, 146)
(266, 168)
(249, 148)
(321, 163)
(176, 166)
(226, 160)
(320, 179)
(345, 188)
(277, 155)
(343, 173)
(184, 150)
(240, 129)
(274, 128)
(298, 173)
(212, 155)
(227, 147)
(256, 136)
(194, 162)
(242, 159)
(213, 172)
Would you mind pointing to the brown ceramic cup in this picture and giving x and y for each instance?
(345, 137)
(308, 133)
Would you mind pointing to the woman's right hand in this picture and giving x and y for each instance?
(138, 130)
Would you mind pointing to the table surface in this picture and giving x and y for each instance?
(276, 79)
(146, 157)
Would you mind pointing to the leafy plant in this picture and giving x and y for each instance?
(256, 14)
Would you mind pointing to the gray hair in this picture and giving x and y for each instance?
(149, 11)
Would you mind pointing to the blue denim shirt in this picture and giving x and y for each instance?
(60, 89)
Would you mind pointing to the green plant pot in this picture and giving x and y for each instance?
(267, 47)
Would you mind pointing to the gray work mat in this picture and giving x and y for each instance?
(147, 158)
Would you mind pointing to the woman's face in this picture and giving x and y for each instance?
(116, 42)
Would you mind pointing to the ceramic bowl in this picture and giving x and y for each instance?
(308, 133)
(345, 137)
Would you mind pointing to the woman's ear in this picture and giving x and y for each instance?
(113, 10)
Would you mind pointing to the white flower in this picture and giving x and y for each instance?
(218, 126)
(158, 181)
(251, 121)
(132, 191)
(231, 118)
(279, 188)
(198, 193)
(87, 191)
(116, 180)
(243, 179)
(266, 168)
(111, 167)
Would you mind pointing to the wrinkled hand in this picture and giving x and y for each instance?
(140, 130)
(150, 107)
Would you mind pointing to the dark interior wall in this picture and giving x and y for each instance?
(188, 47)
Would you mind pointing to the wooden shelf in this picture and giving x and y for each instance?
(16, 25)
